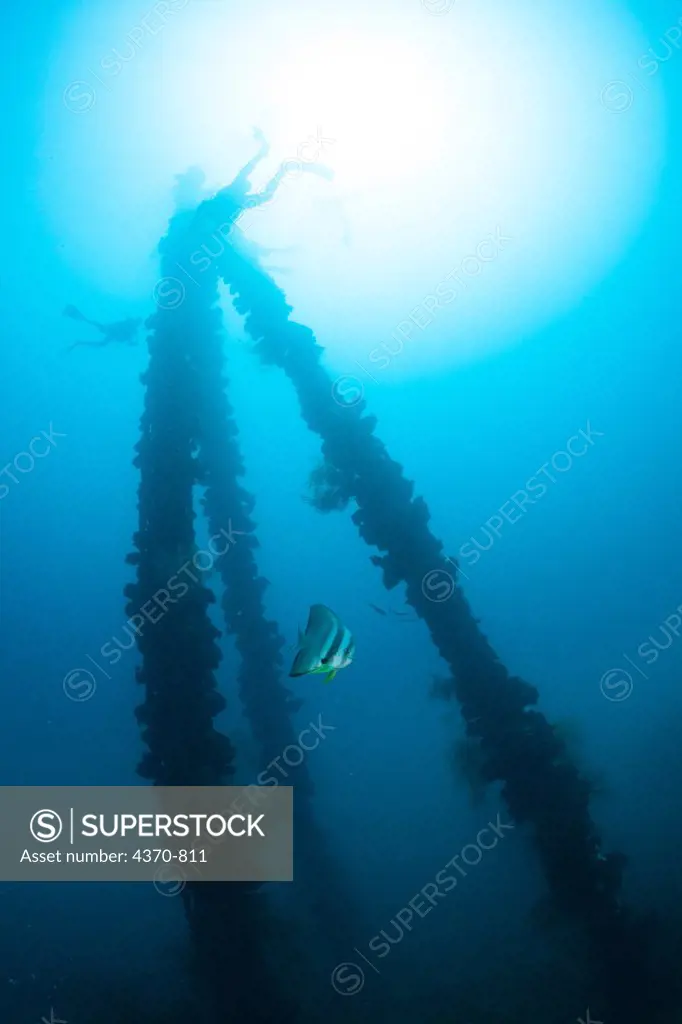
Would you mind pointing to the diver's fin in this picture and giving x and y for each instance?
(330, 676)
(74, 313)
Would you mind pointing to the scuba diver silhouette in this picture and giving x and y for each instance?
(122, 330)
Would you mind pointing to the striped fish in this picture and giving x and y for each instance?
(325, 647)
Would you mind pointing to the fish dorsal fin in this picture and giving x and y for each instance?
(321, 631)
(322, 621)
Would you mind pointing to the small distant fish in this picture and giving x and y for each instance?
(392, 611)
(325, 647)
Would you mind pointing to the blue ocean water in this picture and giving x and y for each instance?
(486, 279)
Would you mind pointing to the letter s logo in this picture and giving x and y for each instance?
(46, 826)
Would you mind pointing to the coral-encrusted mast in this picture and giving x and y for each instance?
(541, 786)
(189, 437)
(268, 705)
(179, 651)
